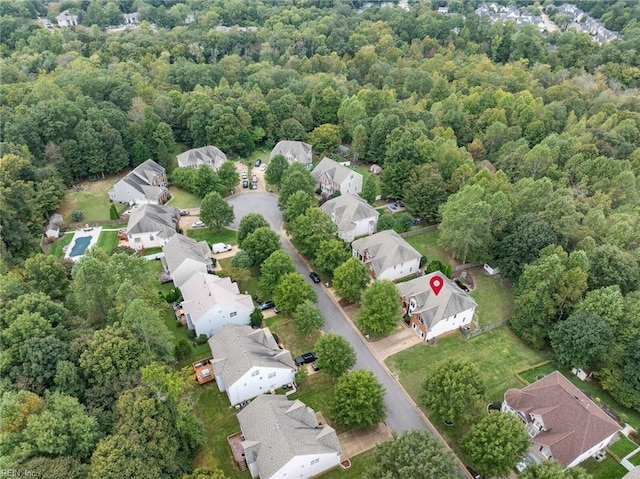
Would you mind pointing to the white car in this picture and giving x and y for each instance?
(198, 224)
(263, 166)
(245, 175)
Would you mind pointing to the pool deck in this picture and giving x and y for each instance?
(94, 233)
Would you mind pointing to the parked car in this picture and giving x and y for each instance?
(245, 184)
(400, 203)
(254, 178)
(258, 162)
(473, 472)
(220, 248)
(184, 213)
(314, 277)
(306, 358)
(263, 166)
(198, 224)
(276, 310)
(245, 175)
(254, 186)
(393, 207)
(314, 366)
(266, 305)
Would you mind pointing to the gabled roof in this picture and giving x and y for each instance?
(386, 249)
(158, 219)
(276, 430)
(236, 349)
(347, 209)
(434, 308)
(148, 170)
(299, 150)
(203, 291)
(573, 423)
(180, 248)
(206, 154)
(336, 172)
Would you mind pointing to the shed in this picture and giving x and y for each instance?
(375, 169)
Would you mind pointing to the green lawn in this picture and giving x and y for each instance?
(427, 244)
(608, 468)
(317, 392)
(494, 298)
(635, 459)
(56, 248)
(108, 241)
(590, 387)
(622, 447)
(498, 354)
(358, 467)
(211, 237)
(92, 200)
(183, 199)
(292, 340)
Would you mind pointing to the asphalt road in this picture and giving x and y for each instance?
(401, 414)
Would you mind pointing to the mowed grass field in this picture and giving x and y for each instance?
(183, 199)
(92, 200)
(494, 297)
(427, 244)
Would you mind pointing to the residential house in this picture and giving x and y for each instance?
(564, 424)
(435, 311)
(151, 226)
(53, 228)
(387, 255)
(146, 184)
(294, 151)
(131, 18)
(331, 177)
(247, 362)
(352, 215)
(284, 439)
(184, 256)
(344, 151)
(375, 169)
(66, 19)
(210, 302)
(207, 155)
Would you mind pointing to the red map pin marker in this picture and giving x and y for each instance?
(436, 284)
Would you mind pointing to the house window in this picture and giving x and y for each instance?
(234, 313)
(137, 240)
(545, 452)
(272, 375)
(255, 373)
(315, 461)
(421, 320)
(151, 237)
(454, 316)
(421, 335)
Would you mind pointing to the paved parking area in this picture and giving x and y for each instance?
(359, 441)
(399, 341)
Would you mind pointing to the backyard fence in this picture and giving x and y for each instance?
(474, 332)
(462, 267)
(418, 231)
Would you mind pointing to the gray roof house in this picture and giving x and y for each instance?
(184, 256)
(206, 155)
(53, 228)
(387, 255)
(352, 215)
(564, 424)
(283, 438)
(435, 310)
(331, 176)
(293, 151)
(145, 184)
(151, 226)
(66, 19)
(210, 302)
(248, 362)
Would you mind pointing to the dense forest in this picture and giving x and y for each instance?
(524, 147)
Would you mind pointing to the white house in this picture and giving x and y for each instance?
(145, 185)
(352, 215)
(293, 151)
(331, 176)
(564, 424)
(151, 226)
(183, 257)
(387, 255)
(206, 155)
(435, 314)
(66, 19)
(53, 228)
(247, 362)
(210, 302)
(283, 439)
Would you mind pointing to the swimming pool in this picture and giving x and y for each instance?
(80, 245)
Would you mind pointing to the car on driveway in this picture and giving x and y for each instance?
(263, 166)
(254, 186)
(258, 162)
(314, 277)
(245, 184)
(400, 203)
(245, 175)
(393, 207)
(198, 224)
(184, 213)
(314, 366)
(266, 305)
(306, 358)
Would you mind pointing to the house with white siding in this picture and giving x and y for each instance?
(151, 226)
(248, 362)
(352, 215)
(145, 185)
(206, 155)
(387, 255)
(184, 256)
(294, 152)
(332, 177)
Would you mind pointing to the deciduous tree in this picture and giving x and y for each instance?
(358, 400)
(260, 244)
(350, 279)
(496, 444)
(380, 312)
(46, 274)
(215, 212)
(291, 291)
(325, 138)
(370, 189)
(296, 178)
(331, 254)
(248, 224)
(307, 318)
(273, 269)
(277, 166)
(310, 229)
(335, 354)
(552, 470)
(581, 341)
(298, 204)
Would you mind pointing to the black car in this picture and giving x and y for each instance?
(184, 213)
(258, 162)
(245, 184)
(266, 305)
(400, 203)
(306, 358)
(314, 277)
(473, 472)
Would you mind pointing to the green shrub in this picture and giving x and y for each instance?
(76, 215)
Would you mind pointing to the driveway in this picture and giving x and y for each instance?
(251, 201)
